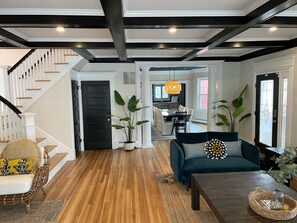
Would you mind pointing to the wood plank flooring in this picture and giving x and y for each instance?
(112, 186)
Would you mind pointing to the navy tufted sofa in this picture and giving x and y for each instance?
(249, 161)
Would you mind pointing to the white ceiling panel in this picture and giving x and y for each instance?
(156, 53)
(50, 34)
(189, 7)
(163, 35)
(104, 53)
(262, 34)
(289, 12)
(228, 52)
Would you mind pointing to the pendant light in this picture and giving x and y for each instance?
(172, 86)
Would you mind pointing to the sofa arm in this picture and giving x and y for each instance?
(250, 152)
(177, 158)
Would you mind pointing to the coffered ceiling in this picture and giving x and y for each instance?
(148, 30)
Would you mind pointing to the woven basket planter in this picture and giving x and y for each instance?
(256, 205)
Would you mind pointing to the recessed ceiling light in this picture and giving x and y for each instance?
(172, 30)
(272, 29)
(237, 45)
(79, 46)
(60, 29)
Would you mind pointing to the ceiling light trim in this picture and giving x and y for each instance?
(188, 13)
(42, 11)
(37, 39)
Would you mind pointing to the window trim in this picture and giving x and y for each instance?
(199, 79)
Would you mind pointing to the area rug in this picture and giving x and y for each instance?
(177, 203)
(42, 212)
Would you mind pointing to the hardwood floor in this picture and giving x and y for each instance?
(112, 186)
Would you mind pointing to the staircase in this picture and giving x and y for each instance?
(27, 81)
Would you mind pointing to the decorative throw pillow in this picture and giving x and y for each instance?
(215, 149)
(194, 150)
(233, 148)
(16, 166)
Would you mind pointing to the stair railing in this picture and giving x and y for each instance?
(10, 121)
(33, 68)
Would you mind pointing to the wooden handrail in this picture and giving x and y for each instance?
(20, 61)
(11, 106)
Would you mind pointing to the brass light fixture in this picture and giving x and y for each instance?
(172, 86)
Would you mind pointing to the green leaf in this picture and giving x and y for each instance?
(132, 104)
(221, 101)
(126, 119)
(244, 117)
(238, 111)
(220, 123)
(221, 106)
(241, 94)
(239, 101)
(118, 126)
(224, 119)
(130, 127)
(118, 98)
(141, 122)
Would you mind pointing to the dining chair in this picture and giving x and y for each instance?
(180, 122)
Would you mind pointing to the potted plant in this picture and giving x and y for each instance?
(128, 120)
(287, 166)
(231, 120)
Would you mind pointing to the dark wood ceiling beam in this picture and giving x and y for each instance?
(183, 22)
(280, 22)
(259, 15)
(161, 45)
(84, 53)
(12, 39)
(253, 44)
(114, 18)
(52, 21)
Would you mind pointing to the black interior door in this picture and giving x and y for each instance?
(267, 91)
(76, 121)
(96, 110)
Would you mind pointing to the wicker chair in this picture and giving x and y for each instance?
(24, 149)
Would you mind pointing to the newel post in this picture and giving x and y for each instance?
(28, 126)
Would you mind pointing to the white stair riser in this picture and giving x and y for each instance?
(43, 143)
(53, 152)
(55, 170)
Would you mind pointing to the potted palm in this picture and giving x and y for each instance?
(233, 118)
(128, 119)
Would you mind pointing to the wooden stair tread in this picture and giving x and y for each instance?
(4, 141)
(50, 147)
(60, 63)
(24, 97)
(38, 140)
(71, 54)
(33, 89)
(55, 160)
(52, 72)
(42, 80)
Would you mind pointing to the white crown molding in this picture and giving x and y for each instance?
(42, 11)
(131, 40)
(17, 33)
(254, 5)
(79, 40)
(288, 13)
(188, 13)
(250, 39)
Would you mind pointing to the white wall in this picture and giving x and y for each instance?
(246, 130)
(54, 112)
(9, 57)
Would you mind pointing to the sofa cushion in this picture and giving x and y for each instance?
(194, 150)
(15, 184)
(230, 164)
(16, 166)
(190, 138)
(233, 148)
(215, 149)
(223, 136)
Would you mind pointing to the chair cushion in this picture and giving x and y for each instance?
(233, 148)
(230, 164)
(15, 184)
(194, 150)
(16, 166)
(215, 149)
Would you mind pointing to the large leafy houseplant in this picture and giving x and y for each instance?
(232, 119)
(287, 166)
(129, 118)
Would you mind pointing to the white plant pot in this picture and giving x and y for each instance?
(129, 146)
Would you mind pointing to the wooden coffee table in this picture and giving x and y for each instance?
(227, 194)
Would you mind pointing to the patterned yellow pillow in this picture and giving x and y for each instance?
(16, 166)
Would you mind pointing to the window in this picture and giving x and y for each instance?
(159, 93)
(202, 84)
